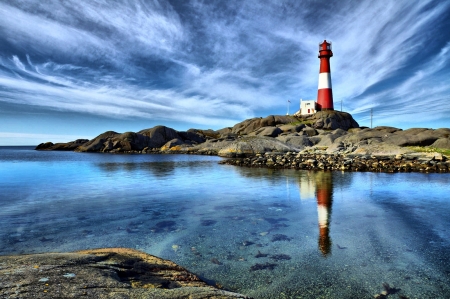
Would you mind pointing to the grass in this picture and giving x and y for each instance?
(430, 149)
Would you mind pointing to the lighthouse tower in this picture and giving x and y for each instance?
(325, 94)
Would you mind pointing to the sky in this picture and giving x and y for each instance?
(74, 69)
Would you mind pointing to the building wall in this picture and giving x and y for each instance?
(308, 107)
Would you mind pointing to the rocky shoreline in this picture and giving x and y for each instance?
(326, 140)
(338, 162)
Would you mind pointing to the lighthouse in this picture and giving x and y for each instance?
(325, 94)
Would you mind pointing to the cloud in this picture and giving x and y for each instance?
(219, 62)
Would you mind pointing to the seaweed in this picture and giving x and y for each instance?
(265, 266)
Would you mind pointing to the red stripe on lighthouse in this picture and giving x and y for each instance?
(325, 93)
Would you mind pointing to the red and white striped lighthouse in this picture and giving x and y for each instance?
(325, 94)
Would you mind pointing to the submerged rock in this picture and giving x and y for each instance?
(101, 273)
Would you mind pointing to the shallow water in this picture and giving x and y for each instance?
(265, 233)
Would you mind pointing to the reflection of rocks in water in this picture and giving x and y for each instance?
(216, 261)
(208, 222)
(247, 243)
(280, 237)
(388, 290)
(260, 254)
(164, 226)
(44, 239)
(280, 257)
(277, 226)
(275, 220)
(268, 266)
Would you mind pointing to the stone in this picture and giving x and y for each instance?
(253, 124)
(111, 273)
(254, 145)
(443, 143)
(309, 131)
(269, 131)
(299, 142)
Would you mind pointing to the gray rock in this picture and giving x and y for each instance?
(442, 143)
(332, 120)
(269, 131)
(193, 136)
(159, 135)
(299, 142)
(97, 144)
(253, 124)
(309, 131)
(254, 145)
(412, 137)
(292, 128)
(111, 273)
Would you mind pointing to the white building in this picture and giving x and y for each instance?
(307, 107)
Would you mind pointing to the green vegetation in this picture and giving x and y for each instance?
(430, 149)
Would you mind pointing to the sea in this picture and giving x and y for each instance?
(260, 232)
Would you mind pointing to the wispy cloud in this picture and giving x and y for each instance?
(217, 63)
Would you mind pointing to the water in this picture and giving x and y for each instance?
(265, 233)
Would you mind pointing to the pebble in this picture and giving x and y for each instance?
(342, 162)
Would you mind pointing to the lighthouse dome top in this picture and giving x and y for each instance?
(325, 45)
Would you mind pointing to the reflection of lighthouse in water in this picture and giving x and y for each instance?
(324, 194)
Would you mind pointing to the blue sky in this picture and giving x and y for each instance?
(74, 69)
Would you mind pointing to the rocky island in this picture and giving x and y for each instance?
(326, 140)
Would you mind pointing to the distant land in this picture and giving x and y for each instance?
(326, 133)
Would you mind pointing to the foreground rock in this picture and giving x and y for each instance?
(101, 273)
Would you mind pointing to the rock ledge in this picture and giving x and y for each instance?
(101, 273)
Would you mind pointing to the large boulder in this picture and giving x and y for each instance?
(442, 143)
(299, 142)
(159, 135)
(331, 120)
(98, 143)
(111, 273)
(249, 146)
(253, 124)
(268, 131)
(413, 137)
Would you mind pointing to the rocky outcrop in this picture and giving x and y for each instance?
(101, 273)
(331, 120)
(251, 125)
(333, 131)
(69, 146)
(248, 146)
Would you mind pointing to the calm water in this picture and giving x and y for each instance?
(264, 233)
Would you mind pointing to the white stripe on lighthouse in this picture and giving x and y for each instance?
(323, 215)
(324, 80)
